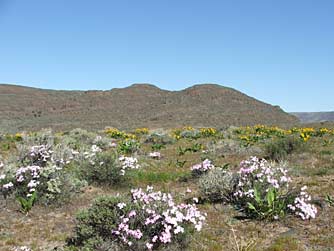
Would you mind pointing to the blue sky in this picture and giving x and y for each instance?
(278, 51)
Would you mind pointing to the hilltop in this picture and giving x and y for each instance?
(139, 105)
(314, 117)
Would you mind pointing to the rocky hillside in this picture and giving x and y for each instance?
(25, 108)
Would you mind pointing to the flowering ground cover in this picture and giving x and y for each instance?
(184, 189)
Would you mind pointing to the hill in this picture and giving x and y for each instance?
(314, 117)
(139, 105)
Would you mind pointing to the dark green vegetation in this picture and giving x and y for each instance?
(139, 105)
(52, 220)
(279, 149)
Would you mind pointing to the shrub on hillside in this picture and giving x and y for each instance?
(42, 137)
(191, 134)
(157, 138)
(228, 147)
(280, 148)
(78, 138)
(81, 136)
(107, 168)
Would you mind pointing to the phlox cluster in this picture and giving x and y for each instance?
(258, 174)
(259, 171)
(90, 155)
(22, 248)
(203, 167)
(301, 207)
(40, 154)
(161, 219)
(155, 155)
(128, 163)
(27, 178)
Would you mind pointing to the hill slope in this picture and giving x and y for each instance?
(25, 108)
(313, 117)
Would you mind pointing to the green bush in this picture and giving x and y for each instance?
(94, 226)
(128, 146)
(159, 138)
(105, 168)
(157, 146)
(59, 187)
(280, 148)
(191, 134)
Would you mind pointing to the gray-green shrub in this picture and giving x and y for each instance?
(217, 185)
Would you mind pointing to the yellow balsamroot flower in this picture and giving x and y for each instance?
(259, 127)
(111, 130)
(176, 133)
(114, 133)
(188, 128)
(260, 132)
(208, 131)
(323, 131)
(246, 140)
(143, 130)
(263, 131)
(305, 136)
(17, 136)
(129, 136)
(307, 130)
(294, 130)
